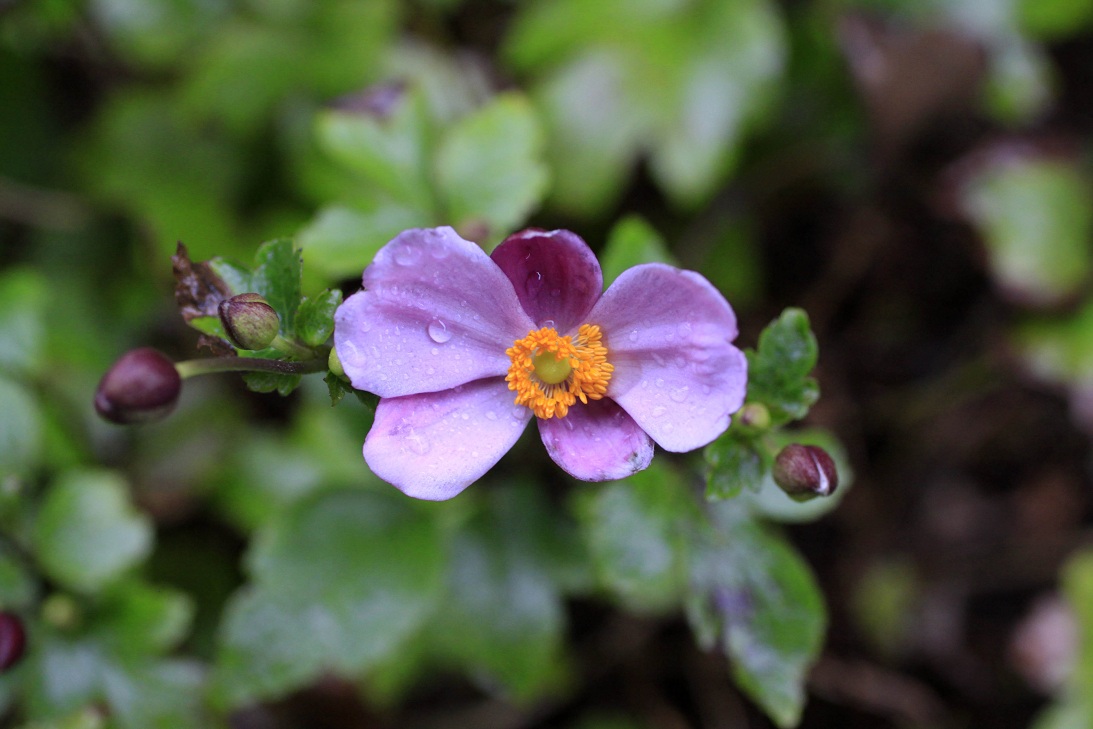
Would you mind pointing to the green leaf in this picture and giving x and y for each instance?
(735, 463)
(340, 581)
(341, 240)
(137, 619)
(283, 385)
(87, 533)
(315, 319)
(17, 587)
(389, 151)
(156, 695)
(502, 613)
(277, 275)
(1054, 19)
(489, 166)
(1035, 216)
(778, 370)
(636, 534)
(22, 326)
(756, 599)
(21, 429)
(632, 241)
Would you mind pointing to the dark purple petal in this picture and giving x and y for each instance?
(555, 274)
(435, 313)
(597, 442)
(668, 333)
(434, 445)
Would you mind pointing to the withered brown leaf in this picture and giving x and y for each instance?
(198, 293)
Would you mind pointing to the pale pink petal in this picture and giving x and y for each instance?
(555, 274)
(434, 445)
(597, 442)
(669, 335)
(436, 312)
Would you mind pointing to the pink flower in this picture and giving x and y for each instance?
(464, 348)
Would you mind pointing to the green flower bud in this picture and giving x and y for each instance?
(754, 416)
(805, 472)
(141, 387)
(249, 321)
(335, 364)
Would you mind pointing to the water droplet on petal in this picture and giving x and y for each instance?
(549, 323)
(533, 283)
(430, 371)
(684, 329)
(668, 427)
(634, 336)
(434, 350)
(491, 415)
(438, 332)
(659, 410)
(659, 382)
(364, 325)
(679, 394)
(406, 255)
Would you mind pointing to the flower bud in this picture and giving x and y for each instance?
(249, 321)
(754, 416)
(805, 472)
(141, 387)
(13, 640)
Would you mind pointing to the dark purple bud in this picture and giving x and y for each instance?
(249, 321)
(141, 387)
(13, 640)
(805, 472)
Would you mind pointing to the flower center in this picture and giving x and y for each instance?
(549, 373)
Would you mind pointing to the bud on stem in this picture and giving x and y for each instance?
(249, 321)
(141, 387)
(805, 472)
(13, 640)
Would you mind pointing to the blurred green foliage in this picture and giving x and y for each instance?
(326, 128)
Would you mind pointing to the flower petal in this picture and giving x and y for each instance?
(597, 442)
(432, 446)
(555, 274)
(436, 312)
(668, 333)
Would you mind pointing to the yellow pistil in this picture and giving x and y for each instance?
(549, 372)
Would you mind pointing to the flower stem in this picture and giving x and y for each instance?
(195, 367)
(291, 348)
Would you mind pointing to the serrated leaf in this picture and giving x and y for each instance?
(337, 387)
(391, 151)
(734, 464)
(632, 241)
(341, 240)
(340, 581)
(636, 535)
(489, 166)
(778, 370)
(503, 615)
(315, 318)
(87, 532)
(277, 277)
(757, 600)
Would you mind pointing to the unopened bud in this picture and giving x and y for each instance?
(13, 640)
(249, 321)
(334, 363)
(141, 387)
(805, 472)
(754, 416)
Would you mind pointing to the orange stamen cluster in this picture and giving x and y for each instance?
(587, 380)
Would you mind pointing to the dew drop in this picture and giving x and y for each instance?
(364, 326)
(668, 427)
(684, 329)
(679, 394)
(634, 336)
(434, 350)
(645, 384)
(406, 255)
(438, 332)
(659, 382)
(430, 371)
(491, 415)
(659, 410)
(533, 283)
(549, 323)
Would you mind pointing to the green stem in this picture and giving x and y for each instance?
(291, 348)
(195, 367)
